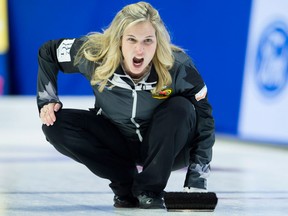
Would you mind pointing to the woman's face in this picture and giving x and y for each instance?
(138, 47)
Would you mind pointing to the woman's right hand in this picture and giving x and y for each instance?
(47, 113)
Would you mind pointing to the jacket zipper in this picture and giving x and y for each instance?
(134, 106)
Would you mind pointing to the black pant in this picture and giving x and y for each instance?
(95, 142)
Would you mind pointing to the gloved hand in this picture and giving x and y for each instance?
(196, 178)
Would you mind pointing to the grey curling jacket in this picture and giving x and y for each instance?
(128, 105)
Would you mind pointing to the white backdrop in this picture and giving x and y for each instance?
(264, 102)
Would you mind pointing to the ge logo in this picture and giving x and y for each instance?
(272, 59)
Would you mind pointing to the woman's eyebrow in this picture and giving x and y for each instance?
(135, 36)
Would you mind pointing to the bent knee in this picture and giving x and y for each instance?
(181, 107)
(50, 132)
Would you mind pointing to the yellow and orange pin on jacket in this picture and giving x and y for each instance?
(163, 94)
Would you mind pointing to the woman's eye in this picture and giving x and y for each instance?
(131, 39)
(148, 41)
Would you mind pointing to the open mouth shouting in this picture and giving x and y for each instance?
(138, 62)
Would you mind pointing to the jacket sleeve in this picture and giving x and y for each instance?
(192, 87)
(54, 56)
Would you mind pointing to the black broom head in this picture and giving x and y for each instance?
(183, 201)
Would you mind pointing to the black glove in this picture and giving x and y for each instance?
(196, 176)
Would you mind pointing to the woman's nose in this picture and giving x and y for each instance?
(139, 48)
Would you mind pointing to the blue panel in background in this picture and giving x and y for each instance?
(214, 33)
(4, 79)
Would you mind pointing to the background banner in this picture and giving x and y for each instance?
(264, 103)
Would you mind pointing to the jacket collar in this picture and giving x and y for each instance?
(121, 79)
(153, 77)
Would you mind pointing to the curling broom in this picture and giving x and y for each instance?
(194, 201)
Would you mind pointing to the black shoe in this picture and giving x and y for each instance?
(151, 201)
(125, 202)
